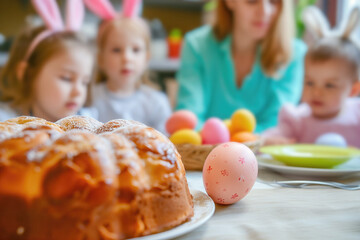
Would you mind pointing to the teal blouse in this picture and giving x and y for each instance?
(207, 84)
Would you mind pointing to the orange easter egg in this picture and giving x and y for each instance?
(182, 119)
(243, 137)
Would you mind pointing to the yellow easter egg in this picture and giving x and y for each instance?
(243, 120)
(186, 136)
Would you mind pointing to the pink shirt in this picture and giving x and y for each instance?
(298, 123)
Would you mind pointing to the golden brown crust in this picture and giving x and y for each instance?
(79, 122)
(8, 129)
(116, 180)
(79, 186)
(25, 122)
(20, 179)
(20, 157)
(15, 125)
(116, 124)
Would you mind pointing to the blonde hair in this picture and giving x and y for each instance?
(18, 90)
(276, 48)
(329, 48)
(136, 26)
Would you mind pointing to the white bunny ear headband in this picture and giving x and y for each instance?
(49, 12)
(317, 24)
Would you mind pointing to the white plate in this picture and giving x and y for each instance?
(344, 170)
(204, 208)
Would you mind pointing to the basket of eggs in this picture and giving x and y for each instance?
(194, 146)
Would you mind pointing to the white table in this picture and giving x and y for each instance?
(283, 213)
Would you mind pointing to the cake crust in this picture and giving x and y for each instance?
(81, 179)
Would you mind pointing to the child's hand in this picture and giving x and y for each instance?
(278, 140)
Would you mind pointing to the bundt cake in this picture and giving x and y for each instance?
(81, 179)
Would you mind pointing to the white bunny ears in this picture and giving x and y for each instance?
(318, 25)
(105, 10)
(50, 13)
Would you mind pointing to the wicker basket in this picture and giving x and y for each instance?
(193, 156)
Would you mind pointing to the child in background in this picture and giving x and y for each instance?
(123, 56)
(49, 69)
(332, 74)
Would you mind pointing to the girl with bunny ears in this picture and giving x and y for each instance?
(332, 74)
(49, 69)
(123, 55)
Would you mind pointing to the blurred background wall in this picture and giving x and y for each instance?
(167, 17)
(182, 14)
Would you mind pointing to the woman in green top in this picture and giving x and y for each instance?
(248, 59)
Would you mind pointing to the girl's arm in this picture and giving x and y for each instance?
(286, 132)
(162, 112)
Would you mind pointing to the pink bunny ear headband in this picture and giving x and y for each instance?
(49, 12)
(105, 10)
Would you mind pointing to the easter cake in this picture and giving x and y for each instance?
(81, 179)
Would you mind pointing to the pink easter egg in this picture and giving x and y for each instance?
(229, 172)
(214, 132)
(182, 119)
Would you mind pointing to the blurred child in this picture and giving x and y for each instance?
(49, 68)
(332, 74)
(123, 56)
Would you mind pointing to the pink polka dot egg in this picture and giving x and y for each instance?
(229, 172)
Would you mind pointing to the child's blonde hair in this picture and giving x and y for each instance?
(136, 26)
(337, 48)
(276, 48)
(17, 89)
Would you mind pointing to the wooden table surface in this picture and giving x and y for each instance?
(283, 213)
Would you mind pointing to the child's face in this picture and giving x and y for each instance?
(327, 84)
(61, 85)
(124, 58)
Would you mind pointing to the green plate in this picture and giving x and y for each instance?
(312, 156)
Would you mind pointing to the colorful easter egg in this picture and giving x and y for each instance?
(186, 136)
(214, 132)
(331, 139)
(229, 172)
(243, 137)
(182, 119)
(243, 120)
